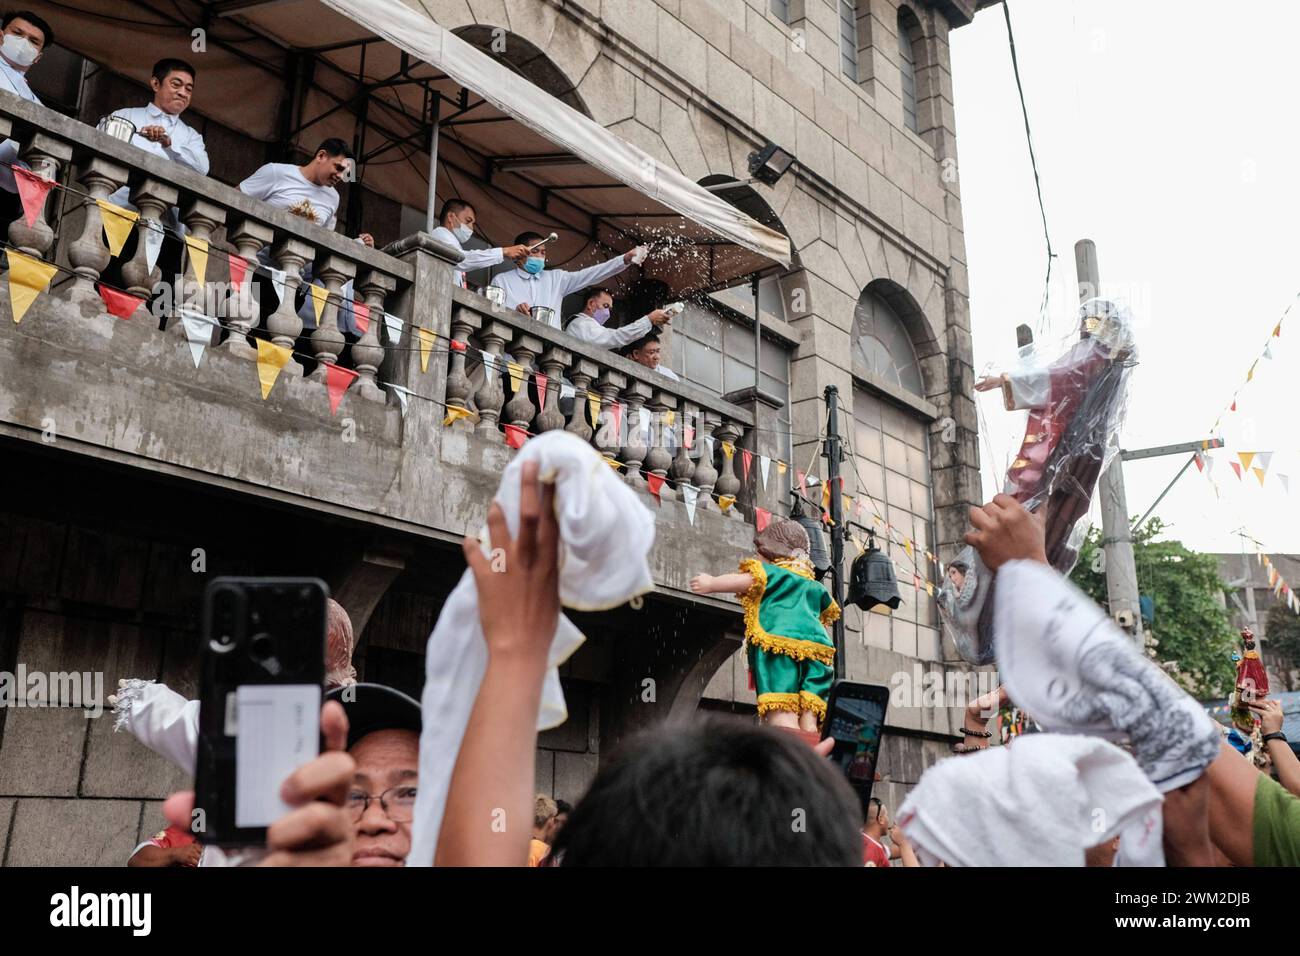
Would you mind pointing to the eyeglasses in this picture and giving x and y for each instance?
(398, 803)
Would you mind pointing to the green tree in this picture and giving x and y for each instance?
(1281, 645)
(1190, 632)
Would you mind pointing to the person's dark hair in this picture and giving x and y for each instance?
(562, 806)
(451, 207)
(172, 65)
(716, 793)
(958, 566)
(335, 147)
(38, 22)
(595, 291)
(528, 238)
(874, 806)
(633, 347)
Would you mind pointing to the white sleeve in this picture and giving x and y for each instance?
(589, 331)
(161, 719)
(577, 281)
(188, 150)
(479, 259)
(260, 184)
(1028, 388)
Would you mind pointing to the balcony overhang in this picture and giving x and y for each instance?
(377, 73)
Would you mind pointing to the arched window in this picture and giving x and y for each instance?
(881, 346)
(909, 30)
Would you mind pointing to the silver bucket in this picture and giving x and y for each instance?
(542, 314)
(118, 127)
(496, 295)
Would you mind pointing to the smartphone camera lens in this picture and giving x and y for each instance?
(262, 647)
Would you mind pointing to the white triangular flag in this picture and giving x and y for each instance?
(764, 463)
(489, 363)
(689, 496)
(1209, 465)
(643, 416)
(1286, 482)
(278, 281)
(1268, 352)
(198, 332)
(567, 391)
(708, 444)
(394, 326)
(153, 240)
(401, 397)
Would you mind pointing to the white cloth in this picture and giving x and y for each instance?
(187, 146)
(1070, 667)
(605, 538)
(1040, 801)
(549, 288)
(666, 372)
(283, 186)
(474, 258)
(13, 81)
(582, 326)
(159, 718)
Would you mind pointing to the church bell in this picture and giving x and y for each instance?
(872, 580)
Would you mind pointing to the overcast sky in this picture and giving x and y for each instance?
(1167, 132)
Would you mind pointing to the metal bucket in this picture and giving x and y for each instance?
(542, 314)
(118, 127)
(496, 295)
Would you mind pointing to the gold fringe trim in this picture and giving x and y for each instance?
(810, 701)
(830, 615)
(775, 643)
(770, 702)
(800, 566)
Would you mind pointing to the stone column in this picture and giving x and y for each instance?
(706, 475)
(249, 238)
(491, 395)
(728, 483)
(555, 362)
(608, 438)
(88, 254)
(201, 219)
(367, 352)
(520, 410)
(327, 341)
(46, 157)
(683, 468)
(290, 254)
(635, 395)
(582, 373)
(463, 322)
(658, 460)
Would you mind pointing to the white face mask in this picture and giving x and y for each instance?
(462, 233)
(19, 50)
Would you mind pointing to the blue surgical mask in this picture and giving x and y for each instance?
(534, 265)
(601, 316)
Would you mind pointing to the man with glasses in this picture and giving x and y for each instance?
(384, 741)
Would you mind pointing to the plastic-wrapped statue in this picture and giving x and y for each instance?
(1252, 683)
(787, 611)
(1076, 406)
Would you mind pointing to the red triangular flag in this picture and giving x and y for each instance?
(688, 437)
(617, 410)
(1234, 406)
(916, 580)
(32, 189)
(361, 318)
(540, 379)
(120, 304)
(1237, 468)
(800, 483)
(516, 435)
(761, 518)
(656, 483)
(746, 457)
(1200, 462)
(238, 269)
(337, 381)
(457, 346)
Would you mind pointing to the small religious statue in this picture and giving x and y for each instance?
(1252, 683)
(787, 611)
(1075, 405)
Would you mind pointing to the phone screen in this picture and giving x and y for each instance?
(855, 719)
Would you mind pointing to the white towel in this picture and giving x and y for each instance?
(606, 533)
(1040, 801)
(1074, 671)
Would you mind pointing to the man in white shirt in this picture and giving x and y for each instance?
(25, 37)
(531, 284)
(649, 352)
(158, 126)
(308, 190)
(589, 324)
(456, 225)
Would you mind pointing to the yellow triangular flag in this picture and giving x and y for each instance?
(846, 503)
(1246, 458)
(929, 589)
(319, 294)
(270, 359)
(614, 463)
(426, 346)
(1251, 374)
(516, 375)
(826, 495)
(455, 413)
(1259, 473)
(198, 257)
(907, 546)
(28, 278)
(118, 223)
(593, 406)
(728, 449)
(781, 467)
(726, 501)
(670, 417)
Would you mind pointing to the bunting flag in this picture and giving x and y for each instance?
(28, 278)
(612, 462)
(540, 381)
(708, 446)
(238, 270)
(826, 496)
(916, 581)
(401, 397)
(1265, 459)
(32, 190)
(725, 502)
(567, 391)
(455, 413)
(118, 223)
(859, 506)
(764, 465)
(643, 418)
(1246, 458)
(907, 546)
(690, 494)
(489, 364)
(279, 282)
(516, 435)
(337, 381)
(271, 358)
(1209, 466)
(516, 372)
(761, 519)
(746, 459)
(198, 330)
(728, 449)
(1250, 373)
(1259, 473)
(655, 482)
(1200, 461)
(800, 482)
(1268, 351)
(457, 346)
(593, 408)
(845, 504)
(426, 346)
(688, 437)
(120, 304)
(1277, 330)
(394, 326)
(198, 249)
(1286, 482)
(361, 319)
(1236, 468)
(670, 417)
(153, 243)
(319, 295)
(1233, 407)
(781, 468)
(929, 589)
(616, 412)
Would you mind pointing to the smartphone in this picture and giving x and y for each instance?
(855, 717)
(262, 667)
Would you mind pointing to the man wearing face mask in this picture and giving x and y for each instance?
(457, 220)
(531, 284)
(25, 38)
(589, 324)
